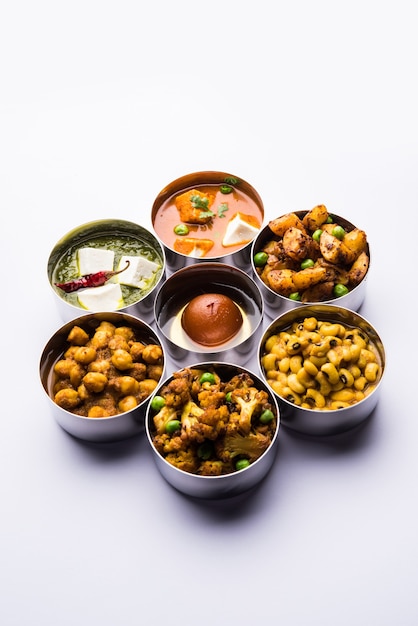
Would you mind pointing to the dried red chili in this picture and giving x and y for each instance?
(89, 280)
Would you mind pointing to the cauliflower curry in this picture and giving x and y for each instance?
(211, 425)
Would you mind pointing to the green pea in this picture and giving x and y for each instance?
(267, 416)
(172, 426)
(157, 403)
(295, 296)
(226, 189)
(340, 290)
(260, 259)
(207, 377)
(181, 229)
(241, 464)
(228, 396)
(330, 219)
(205, 450)
(317, 234)
(339, 232)
(307, 263)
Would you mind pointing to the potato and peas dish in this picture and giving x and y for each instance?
(211, 421)
(321, 364)
(312, 256)
(106, 371)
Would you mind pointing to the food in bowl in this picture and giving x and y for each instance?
(209, 308)
(207, 215)
(211, 319)
(211, 420)
(105, 370)
(312, 256)
(321, 364)
(106, 266)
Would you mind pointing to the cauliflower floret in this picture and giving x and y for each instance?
(177, 392)
(166, 443)
(250, 402)
(198, 424)
(185, 460)
(211, 468)
(164, 415)
(209, 397)
(249, 446)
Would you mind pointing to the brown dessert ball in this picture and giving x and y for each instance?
(211, 319)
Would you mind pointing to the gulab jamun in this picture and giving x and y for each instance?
(211, 319)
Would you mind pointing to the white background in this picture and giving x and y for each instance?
(101, 105)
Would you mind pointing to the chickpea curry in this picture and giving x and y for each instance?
(106, 371)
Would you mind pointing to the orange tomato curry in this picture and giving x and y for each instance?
(194, 222)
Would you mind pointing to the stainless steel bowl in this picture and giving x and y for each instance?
(177, 260)
(275, 303)
(227, 485)
(142, 305)
(194, 280)
(320, 422)
(102, 429)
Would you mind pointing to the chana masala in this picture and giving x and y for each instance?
(106, 371)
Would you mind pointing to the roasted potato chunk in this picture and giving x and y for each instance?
(308, 277)
(334, 250)
(358, 269)
(281, 281)
(356, 241)
(315, 218)
(296, 244)
(280, 225)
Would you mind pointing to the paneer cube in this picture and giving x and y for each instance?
(105, 298)
(92, 260)
(241, 229)
(139, 273)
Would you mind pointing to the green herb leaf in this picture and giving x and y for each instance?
(198, 202)
(204, 214)
(222, 208)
